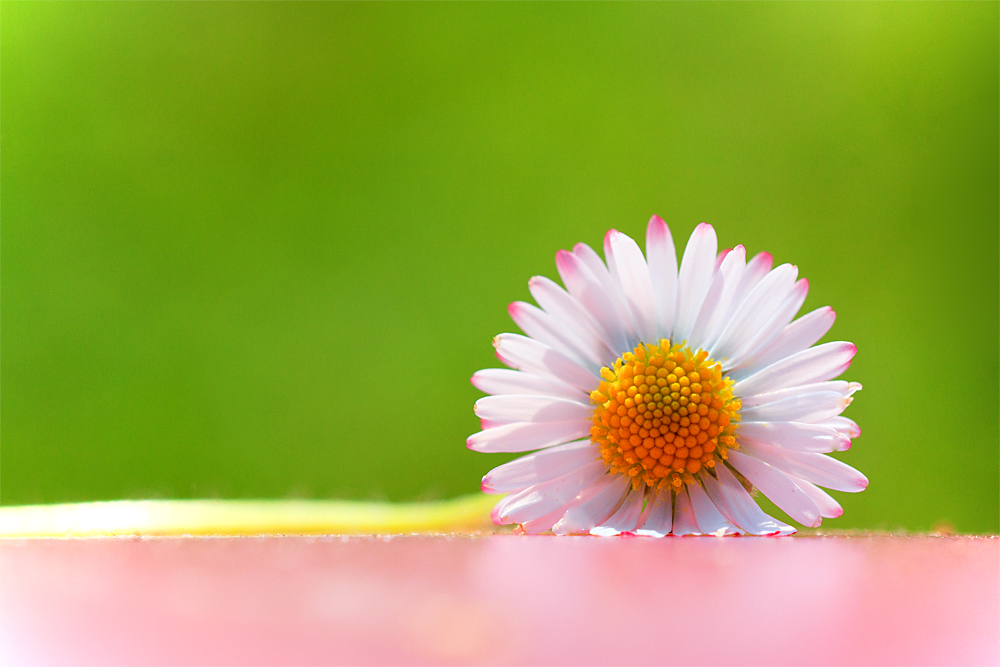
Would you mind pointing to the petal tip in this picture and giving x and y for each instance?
(495, 516)
(476, 379)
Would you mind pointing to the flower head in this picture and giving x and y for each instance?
(659, 399)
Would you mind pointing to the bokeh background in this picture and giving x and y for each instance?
(256, 250)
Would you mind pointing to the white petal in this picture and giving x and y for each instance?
(720, 296)
(810, 466)
(797, 336)
(593, 512)
(792, 435)
(507, 381)
(737, 505)
(770, 329)
(526, 436)
(758, 267)
(548, 330)
(684, 520)
(492, 423)
(694, 278)
(571, 313)
(757, 309)
(625, 517)
(828, 507)
(721, 256)
(710, 519)
(527, 354)
(541, 499)
(842, 387)
(600, 272)
(778, 487)
(528, 408)
(587, 289)
(628, 268)
(662, 259)
(540, 467)
(823, 362)
(658, 519)
(805, 408)
(843, 425)
(545, 522)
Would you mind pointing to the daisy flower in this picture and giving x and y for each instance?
(659, 399)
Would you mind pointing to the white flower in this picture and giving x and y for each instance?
(657, 397)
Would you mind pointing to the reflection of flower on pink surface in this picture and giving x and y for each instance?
(658, 395)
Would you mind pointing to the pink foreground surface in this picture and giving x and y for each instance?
(500, 599)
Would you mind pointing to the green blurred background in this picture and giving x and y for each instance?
(256, 250)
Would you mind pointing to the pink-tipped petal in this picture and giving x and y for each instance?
(527, 354)
(842, 387)
(757, 267)
(823, 362)
(768, 331)
(572, 315)
(600, 272)
(629, 270)
(791, 435)
(721, 257)
(797, 336)
(526, 436)
(778, 487)
(546, 329)
(541, 499)
(828, 507)
(843, 425)
(506, 381)
(694, 278)
(804, 408)
(757, 309)
(530, 408)
(587, 289)
(662, 260)
(539, 467)
(813, 467)
(720, 295)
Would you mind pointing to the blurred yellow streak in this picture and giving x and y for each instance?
(245, 517)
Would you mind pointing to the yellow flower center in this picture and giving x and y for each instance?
(664, 413)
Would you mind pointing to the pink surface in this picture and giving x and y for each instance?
(501, 599)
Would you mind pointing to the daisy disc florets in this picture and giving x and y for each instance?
(659, 399)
